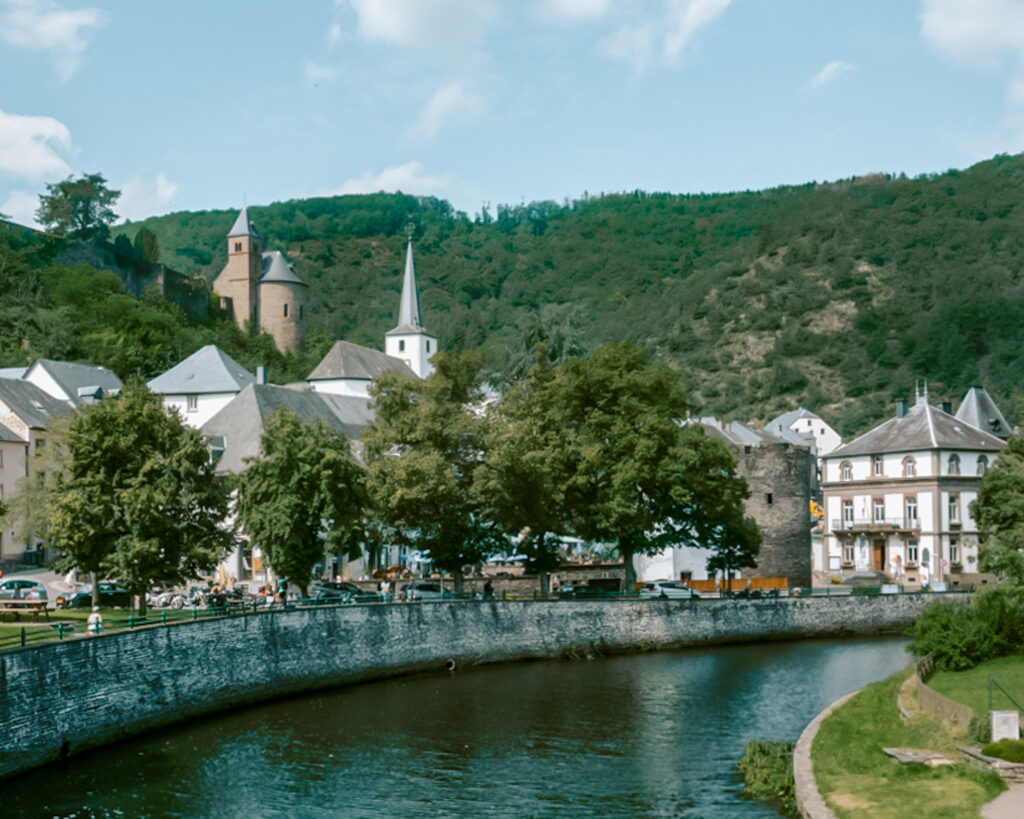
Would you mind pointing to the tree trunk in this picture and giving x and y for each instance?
(142, 604)
(95, 589)
(627, 552)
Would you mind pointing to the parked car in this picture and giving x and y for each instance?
(668, 589)
(167, 598)
(22, 587)
(340, 591)
(424, 591)
(111, 595)
(576, 592)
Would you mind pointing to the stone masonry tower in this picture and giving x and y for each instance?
(282, 302)
(237, 284)
(409, 341)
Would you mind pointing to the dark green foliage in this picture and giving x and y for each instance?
(991, 625)
(146, 245)
(82, 208)
(1012, 750)
(767, 770)
(999, 511)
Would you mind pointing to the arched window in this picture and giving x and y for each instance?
(845, 471)
(909, 467)
(982, 465)
(953, 467)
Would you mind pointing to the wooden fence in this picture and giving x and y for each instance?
(740, 583)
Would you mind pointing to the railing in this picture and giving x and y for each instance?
(875, 524)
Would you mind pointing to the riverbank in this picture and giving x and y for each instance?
(60, 699)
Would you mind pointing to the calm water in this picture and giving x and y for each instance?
(649, 735)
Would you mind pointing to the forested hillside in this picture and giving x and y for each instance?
(834, 296)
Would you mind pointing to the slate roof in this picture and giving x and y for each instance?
(787, 419)
(979, 410)
(80, 382)
(7, 435)
(736, 434)
(924, 427)
(276, 269)
(346, 360)
(30, 403)
(243, 226)
(409, 318)
(239, 426)
(207, 370)
(12, 372)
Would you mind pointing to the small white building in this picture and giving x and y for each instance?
(897, 499)
(349, 369)
(202, 385)
(808, 425)
(75, 383)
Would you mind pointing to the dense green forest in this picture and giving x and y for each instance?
(833, 296)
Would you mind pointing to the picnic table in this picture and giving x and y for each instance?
(17, 607)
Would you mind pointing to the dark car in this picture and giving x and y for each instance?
(424, 591)
(111, 595)
(338, 591)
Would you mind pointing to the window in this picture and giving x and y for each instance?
(40, 478)
(909, 467)
(846, 470)
(286, 311)
(238, 247)
(910, 504)
(401, 346)
(982, 465)
(848, 513)
(876, 465)
(879, 504)
(912, 551)
(768, 498)
(40, 444)
(302, 311)
(954, 508)
(1, 457)
(954, 550)
(848, 553)
(953, 465)
(193, 403)
(926, 557)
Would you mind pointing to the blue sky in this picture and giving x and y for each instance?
(202, 104)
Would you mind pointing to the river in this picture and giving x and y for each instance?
(643, 735)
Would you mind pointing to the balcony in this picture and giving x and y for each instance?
(859, 525)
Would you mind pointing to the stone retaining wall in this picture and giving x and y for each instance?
(63, 698)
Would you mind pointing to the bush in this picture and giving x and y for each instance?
(992, 625)
(1012, 750)
(767, 769)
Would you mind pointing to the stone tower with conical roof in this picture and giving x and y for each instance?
(262, 288)
(409, 342)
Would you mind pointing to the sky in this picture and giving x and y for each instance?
(213, 104)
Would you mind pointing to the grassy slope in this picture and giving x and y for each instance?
(971, 687)
(857, 779)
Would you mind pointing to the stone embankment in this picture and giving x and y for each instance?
(63, 698)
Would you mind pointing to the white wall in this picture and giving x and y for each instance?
(207, 405)
(359, 387)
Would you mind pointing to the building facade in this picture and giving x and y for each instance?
(897, 499)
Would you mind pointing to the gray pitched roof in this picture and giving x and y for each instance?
(924, 427)
(737, 435)
(409, 319)
(34, 406)
(979, 410)
(239, 426)
(243, 226)
(8, 435)
(12, 372)
(347, 360)
(207, 370)
(277, 269)
(788, 418)
(80, 382)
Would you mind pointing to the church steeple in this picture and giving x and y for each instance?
(409, 341)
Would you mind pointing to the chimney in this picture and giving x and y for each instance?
(261, 375)
(901, 407)
(946, 407)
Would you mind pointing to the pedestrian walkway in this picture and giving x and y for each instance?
(1008, 805)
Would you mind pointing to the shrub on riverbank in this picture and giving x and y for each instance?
(991, 625)
(1012, 750)
(767, 769)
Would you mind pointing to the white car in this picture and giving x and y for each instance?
(668, 589)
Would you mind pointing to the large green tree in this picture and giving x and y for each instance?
(82, 208)
(138, 497)
(999, 513)
(423, 451)
(303, 497)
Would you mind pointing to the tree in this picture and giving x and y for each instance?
(303, 497)
(146, 245)
(999, 513)
(138, 498)
(637, 477)
(423, 451)
(81, 208)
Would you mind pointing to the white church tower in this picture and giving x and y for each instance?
(409, 341)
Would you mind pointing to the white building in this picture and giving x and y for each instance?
(897, 498)
(808, 425)
(349, 369)
(202, 385)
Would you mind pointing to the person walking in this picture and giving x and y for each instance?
(94, 625)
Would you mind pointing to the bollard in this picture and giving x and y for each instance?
(23, 635)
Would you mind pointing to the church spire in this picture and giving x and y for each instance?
(409, 307)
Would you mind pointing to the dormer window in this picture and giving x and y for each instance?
(846, 471)
(953, 465)
(982, 465)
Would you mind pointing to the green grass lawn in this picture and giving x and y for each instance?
(971, 687)
(858, 779)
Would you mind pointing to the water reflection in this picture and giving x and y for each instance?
(651, 735)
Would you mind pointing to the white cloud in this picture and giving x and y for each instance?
(664, 38)
(446, 26)
(449, 100)
(829, 73)
(975, 31)
(334, 35)
(30, 146)
(572, 11)
(43, 25)
(318, 73)
(407, 178)
(21, 206)
(141, 198)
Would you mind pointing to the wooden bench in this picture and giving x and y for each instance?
(17, 607)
